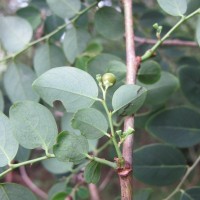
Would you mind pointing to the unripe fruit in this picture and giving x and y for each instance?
(108, 79)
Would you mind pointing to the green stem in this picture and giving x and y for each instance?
(109, 114)
(151, 51)
(14, 166)
(46, 37)
(102, 161)
(97, 151)
(189, 170)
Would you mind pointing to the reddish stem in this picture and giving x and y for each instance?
(166, 42)
(31, 185)
(94, 192)
(132, 62)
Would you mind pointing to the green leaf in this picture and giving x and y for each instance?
(75, 88)
(149, 72)
(8, 145)
(179, 126)
(173, 7)
(100, 64)
(33, 125)
(31, 14)
(17, 82)
(47, 57)
(91, 123)
(57, 167)
(15, 33)
(51, 23)
(92, 172)
(75, 42)
(189, 77)
(158, 164)
(23, 154)
(61, 196)
(70, 147)
(1, 101)
(159, 92)
(65, 8)
(191, 194)
(144, 194)
(83, 193)
(198, 31)
(12, 191)
(57, 188)
(127, 99)
(109, 23)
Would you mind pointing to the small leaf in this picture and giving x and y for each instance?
(15, 33)
(75, 88)
(158, 164)
(51, 23)
(57, 167)
(173, 7)
(149, 72)
(17, 82)
(191, 194)
(12, 191)
(128, 99)
(92, 172)
(70, 147)
(75, 42)
(189, 77)
(91, 123)
(33, 125)
(109, 23)
(198, 31)
(8, 145)
(65, 8)
(159, 92)
(179, 126)
(48, 56)
(83, 193)
(31, 14)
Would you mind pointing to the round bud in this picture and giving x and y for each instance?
(108, 79)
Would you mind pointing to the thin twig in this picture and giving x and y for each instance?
(94, 193)
(174, 42)
(31, 185)
(106, 180)
(189, 170)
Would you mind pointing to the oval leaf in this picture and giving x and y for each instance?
(31, 14)
(15, 33)
(91, 123)
(18, 81)
(191, 194)
(179, 126)
(57, 167)
(189, 77)
(9, 145)
(109, 23)
(128, 99)
(75, 88)
(70, 147)
(65, 8)
(149, 72)
(173, 7)
(12, 191)
(33, 125)
(153, 163)
(48, 56)
(92, 172)
(75, 42)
